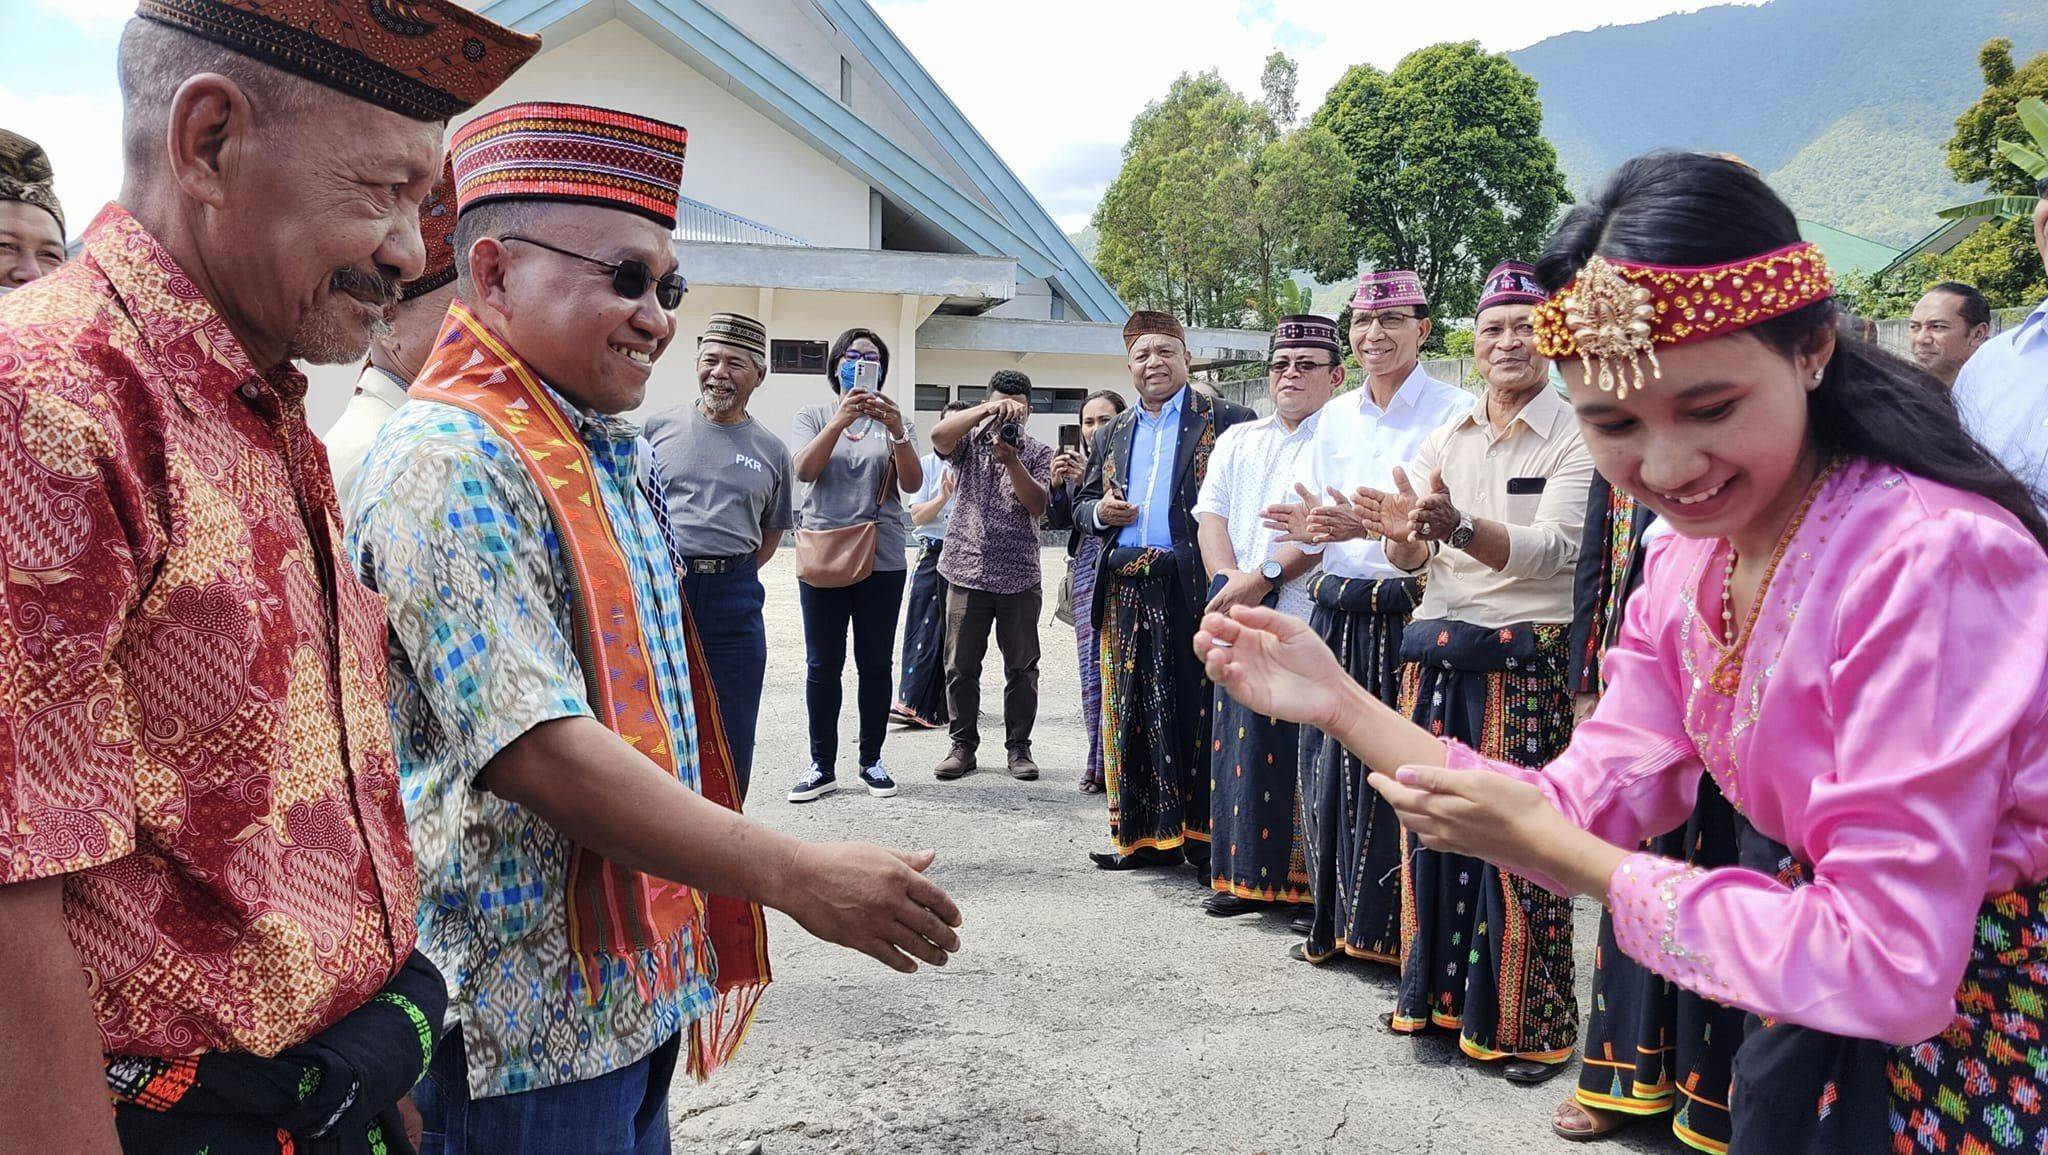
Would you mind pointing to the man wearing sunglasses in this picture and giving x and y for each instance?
(2003, 388)
(1362, 603)
(587, 883)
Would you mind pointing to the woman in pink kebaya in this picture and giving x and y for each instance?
(1848, 631)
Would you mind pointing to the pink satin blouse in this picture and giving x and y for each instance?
(1890, 727)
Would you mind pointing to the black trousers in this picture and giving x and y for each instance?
(869, 607)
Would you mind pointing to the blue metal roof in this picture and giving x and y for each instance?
(1021, 228)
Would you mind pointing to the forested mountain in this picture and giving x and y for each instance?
(1844, 104)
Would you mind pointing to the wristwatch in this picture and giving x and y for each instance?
(903, 440)
(1271, 572)
(1461, 536)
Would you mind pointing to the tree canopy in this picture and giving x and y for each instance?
(1452, 172)
(1219, 203)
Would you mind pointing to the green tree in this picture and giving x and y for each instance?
(1216, 206)
(1452, 170)
(1998, 142)
(1277, 85)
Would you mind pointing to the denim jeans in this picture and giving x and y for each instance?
(624, 1112)
(727, 610)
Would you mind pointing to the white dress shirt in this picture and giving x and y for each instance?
(1252, 467)
(378, 395)
(1358, 443)
(2003, 395)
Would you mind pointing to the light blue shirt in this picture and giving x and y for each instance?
(2003, 395)
(935, 471)
(1150, 482)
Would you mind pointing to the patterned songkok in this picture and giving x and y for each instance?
(426, 59)
(1511, 283)
(1146, 321)
(1389, 289)
(437, 229)
(737, 330)
(1307, 331)
(25, 175)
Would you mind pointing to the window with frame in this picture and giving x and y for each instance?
(797, 357)
(933, 398)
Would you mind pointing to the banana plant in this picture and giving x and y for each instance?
(2030, 158)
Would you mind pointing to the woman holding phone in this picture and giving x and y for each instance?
(1069, 466)
(1845, 631)
(855, 459)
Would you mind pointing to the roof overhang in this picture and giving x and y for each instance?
(1208, 347)
(965, 281)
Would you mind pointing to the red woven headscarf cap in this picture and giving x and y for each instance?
(571, 152)
(437, 229)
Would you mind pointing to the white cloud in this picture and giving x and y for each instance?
(1053, 84)
(82, 133)
(95, 17)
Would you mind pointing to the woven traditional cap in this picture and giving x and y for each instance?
(1511, 283)
(1388, 289)
(26, 176)
(437, 229)
(1147, 321)
(571, 152)
(1307, 331)
(426, 59)
(737, 330)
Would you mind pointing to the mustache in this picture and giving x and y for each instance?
(372, 286)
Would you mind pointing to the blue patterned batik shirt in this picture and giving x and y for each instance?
(448, 525)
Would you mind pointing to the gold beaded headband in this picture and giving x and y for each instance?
(1614, 314)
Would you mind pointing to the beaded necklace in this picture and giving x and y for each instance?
(1726, 677)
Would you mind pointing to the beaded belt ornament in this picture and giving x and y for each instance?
(1614, 314)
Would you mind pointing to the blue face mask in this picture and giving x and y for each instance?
(1557, 382)
(847, 369)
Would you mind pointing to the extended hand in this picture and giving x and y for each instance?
(1273, 664)
(1385, 513)
(1290, 518)
(1434, 517)
(1336, 522)
(875, 901)
(947, 484)
(1241, 589)
(1480, 814)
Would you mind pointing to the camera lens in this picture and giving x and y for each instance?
(1011, 433)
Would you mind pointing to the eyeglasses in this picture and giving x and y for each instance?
(1285, 366)
(876, 357)
(630, 278)
(1388, 322)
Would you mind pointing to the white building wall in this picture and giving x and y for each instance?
(739, 160)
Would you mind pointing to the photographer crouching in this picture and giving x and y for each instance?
(991, 566)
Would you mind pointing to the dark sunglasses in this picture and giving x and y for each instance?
(630, 278)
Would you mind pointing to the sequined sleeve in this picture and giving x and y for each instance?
(1933, 692)
(67, 586)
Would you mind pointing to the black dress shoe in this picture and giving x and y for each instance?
(1142, 857)
(1221, 905)
(1303, 925)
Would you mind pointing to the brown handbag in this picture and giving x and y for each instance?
(830, 559)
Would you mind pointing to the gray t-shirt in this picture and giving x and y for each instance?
(845, 492)
(728, 485)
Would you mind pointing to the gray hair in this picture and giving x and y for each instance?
(156, 59)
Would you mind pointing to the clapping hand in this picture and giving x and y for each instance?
(1273, 664)
(1336, 521)
(1291, 517)
(1433, 517)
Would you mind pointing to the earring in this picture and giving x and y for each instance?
(1820, 372)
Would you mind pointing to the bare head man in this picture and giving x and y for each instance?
(1948, 324)
(293, 203)
(1156, 351)
(574, 265)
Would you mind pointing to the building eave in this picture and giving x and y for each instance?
(1077, 338)
(964, 280)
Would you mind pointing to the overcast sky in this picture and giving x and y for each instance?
(1052, 84)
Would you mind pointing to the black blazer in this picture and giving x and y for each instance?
(1594, 581)
(1202, 421)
